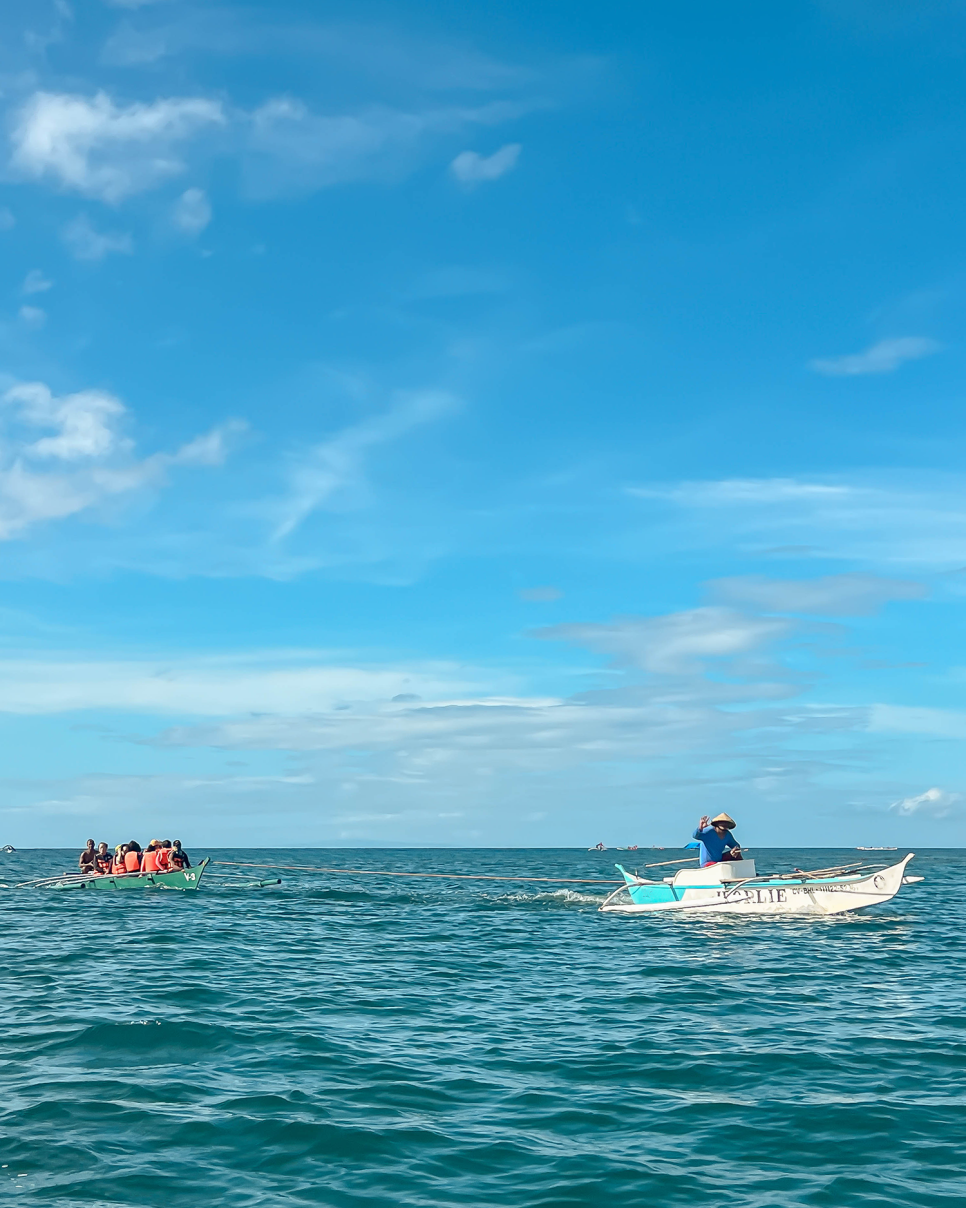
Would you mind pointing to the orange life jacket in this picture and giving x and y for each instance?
(117, 865)
(150, 861)
(163, 856)
(104, 863)
(175, 859)
(131, 861)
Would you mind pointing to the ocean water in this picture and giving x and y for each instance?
(353, 1042)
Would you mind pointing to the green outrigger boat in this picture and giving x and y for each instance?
(183, 879)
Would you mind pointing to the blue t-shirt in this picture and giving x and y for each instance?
(713, 845)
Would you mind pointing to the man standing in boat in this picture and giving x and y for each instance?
(716, 840)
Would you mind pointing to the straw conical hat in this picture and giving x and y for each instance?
(724, 819)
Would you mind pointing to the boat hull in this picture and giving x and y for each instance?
(186, 879)
(821, 896)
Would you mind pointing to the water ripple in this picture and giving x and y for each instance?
(357, 1043)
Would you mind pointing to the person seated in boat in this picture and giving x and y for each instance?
(88, 858)
(717, 843)
(178, 858)
(132, 857)
(117, 864)
(149, 860)
(103, 860)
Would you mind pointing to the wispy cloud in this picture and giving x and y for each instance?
(35, 282)
(918, 719)
(935, 802)
(827, 595)
(104, 150)
(883, 357)
(744, 490)
(375, 53)
(889, 519)
(471, 168)
(192, 211)
(290, 148)
(334, 470)
(271, 682)
(33, 317)
(109, 150)
(677, 643)
(86, 243)
(63, 455)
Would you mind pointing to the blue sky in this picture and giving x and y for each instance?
(482, 424)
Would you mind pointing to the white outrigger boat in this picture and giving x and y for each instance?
(735, 888)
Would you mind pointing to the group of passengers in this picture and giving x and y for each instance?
(160, 855)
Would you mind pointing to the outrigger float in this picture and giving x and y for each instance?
(733, 887)
(184, 879)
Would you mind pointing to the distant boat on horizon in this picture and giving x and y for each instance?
(877, 849)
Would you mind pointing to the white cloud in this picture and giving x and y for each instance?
(678, 643)
(85, 423)
(828, 595)
(212, 448)
(883, 357)
(744, 491)
(104, 149)
(35, 282)
(335, 469)
(86, 243)
(275, 682)
(192, 211)
(63, 455)
(91, 145)
(887, 518)
(917, 719)
(290, 148)
(937, 803)
(33, 317)
(471, 168)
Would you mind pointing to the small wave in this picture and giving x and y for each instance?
(546, 897)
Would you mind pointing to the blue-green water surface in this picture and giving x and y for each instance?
(353, 1042)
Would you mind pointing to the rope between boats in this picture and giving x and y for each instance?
(446, 876)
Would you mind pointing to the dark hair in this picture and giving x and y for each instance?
(90, 840)
(166, 843)
(177, 843)
(134, 845)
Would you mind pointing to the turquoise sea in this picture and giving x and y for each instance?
(366, 1042)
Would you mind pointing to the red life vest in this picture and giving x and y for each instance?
(163, 854)
(104, 864)
(117, 865)
(131, 861)
(175, 858)
(150, 861)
